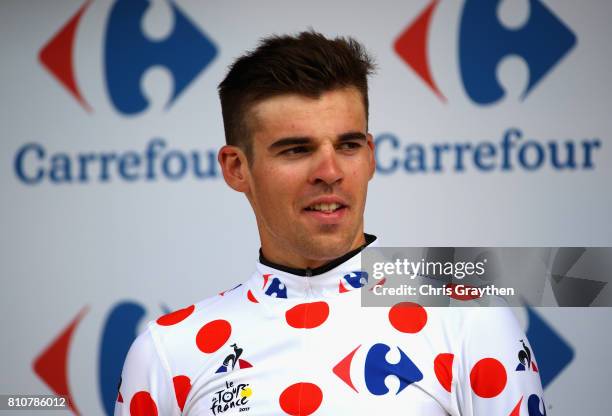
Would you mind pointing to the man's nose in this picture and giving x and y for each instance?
(326, 167)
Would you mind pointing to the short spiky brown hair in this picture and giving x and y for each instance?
(308, 64)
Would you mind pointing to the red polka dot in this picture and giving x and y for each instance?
(488, 378)
(443, 367)
(142, 405)
(182, 385)
(307, 315)
(176, 316)
(408, 317)
(213, 335)
(251, 297)
(301, 399)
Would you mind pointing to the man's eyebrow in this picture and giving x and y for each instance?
(288, 141)
(292, 141)
(353, 135)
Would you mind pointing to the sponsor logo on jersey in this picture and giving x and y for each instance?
(533, 405)
(526, 362)
(353, 280)
(232, 396)
(274, 287)
(233, 359)
(377, 368)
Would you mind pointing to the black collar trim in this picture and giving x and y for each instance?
(321, 269)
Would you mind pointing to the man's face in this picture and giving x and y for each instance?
(307, 183)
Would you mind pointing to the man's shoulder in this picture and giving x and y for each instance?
(193, 316)
(464, 323)
(185, 340)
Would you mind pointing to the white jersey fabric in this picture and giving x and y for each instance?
(282, 343)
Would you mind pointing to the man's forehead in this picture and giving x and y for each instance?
(290, 114)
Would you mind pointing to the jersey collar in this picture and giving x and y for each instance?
(341, 275)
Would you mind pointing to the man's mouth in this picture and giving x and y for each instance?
(327, 208)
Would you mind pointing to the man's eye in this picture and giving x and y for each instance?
(350, 145)
(294, 150)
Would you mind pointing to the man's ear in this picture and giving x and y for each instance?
(235, 168)
(372, 160)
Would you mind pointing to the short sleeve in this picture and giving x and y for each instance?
(146, 386)
(497, 369)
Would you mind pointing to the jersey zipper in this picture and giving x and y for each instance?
(308, 275)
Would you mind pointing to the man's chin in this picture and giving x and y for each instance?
(328, 246)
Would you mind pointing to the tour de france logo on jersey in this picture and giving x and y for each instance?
(232, 396)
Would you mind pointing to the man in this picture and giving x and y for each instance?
(294, 338)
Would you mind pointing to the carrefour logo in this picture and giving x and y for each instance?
(129, 53)
(118, 330)
(483, 41)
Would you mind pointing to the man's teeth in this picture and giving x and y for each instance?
(324, 207)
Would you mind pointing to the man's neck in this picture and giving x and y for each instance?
(320, 269)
